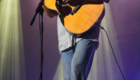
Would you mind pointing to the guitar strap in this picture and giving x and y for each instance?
(76, 8)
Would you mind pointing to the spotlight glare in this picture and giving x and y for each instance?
(11, 41)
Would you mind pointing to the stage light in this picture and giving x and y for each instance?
(11, 44)
(59, 72)
(104, 65)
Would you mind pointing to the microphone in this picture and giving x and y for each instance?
(38, 10)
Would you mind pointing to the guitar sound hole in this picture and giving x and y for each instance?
(63, 8)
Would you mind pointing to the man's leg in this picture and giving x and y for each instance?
(66, 57)
(82, 59)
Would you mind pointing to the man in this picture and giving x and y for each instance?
(76, 52)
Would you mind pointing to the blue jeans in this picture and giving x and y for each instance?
(77, 60)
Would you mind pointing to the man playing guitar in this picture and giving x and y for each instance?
(77, 50)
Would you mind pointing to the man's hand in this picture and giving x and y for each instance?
(67, 1)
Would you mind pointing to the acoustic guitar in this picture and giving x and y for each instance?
(77, 16)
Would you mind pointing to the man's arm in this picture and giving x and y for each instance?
(74, 2)
(48, 13)
(81, 0)
(46, 10)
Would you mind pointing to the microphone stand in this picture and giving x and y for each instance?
(40, 11)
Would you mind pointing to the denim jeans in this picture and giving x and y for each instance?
(77, 60)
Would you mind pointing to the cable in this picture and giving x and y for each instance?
(113, 52)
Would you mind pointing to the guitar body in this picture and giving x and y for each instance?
(82, 20)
